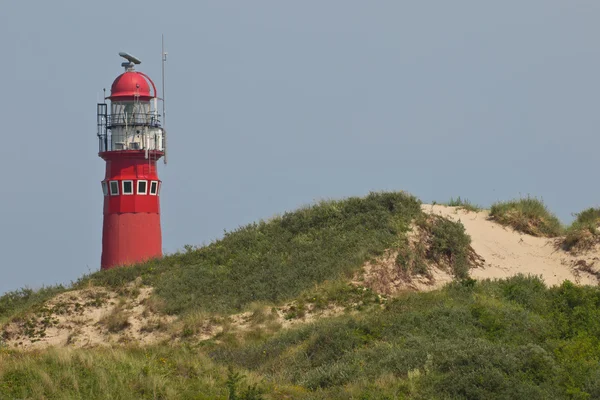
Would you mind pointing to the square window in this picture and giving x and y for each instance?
(114, 188)
(105, 188)
(127, 187)
(142, 187)
(153, 188)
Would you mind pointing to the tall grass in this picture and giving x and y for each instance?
(583, 232)
(463, 203)
(125, 373)
(528, 215)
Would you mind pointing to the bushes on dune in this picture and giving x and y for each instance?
(436, 241)
(507, 339)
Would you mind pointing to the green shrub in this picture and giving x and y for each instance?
(527, 291)
(450, 240)
(528, 215)
(412, 259)
(447, 244)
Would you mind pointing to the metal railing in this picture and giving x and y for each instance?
(110, 142)
(135, 119)
(122, 138)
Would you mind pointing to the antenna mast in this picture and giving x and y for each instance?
(164, 112)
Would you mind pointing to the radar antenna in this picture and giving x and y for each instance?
(131, 61)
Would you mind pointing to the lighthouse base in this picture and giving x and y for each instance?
(130, 238)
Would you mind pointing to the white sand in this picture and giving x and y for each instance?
(507, 252)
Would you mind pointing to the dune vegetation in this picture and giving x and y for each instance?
(463, 203)
(274, 310)
(507, 339)
(528, 215)
(583, 233)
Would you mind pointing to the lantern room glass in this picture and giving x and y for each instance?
(130, 113)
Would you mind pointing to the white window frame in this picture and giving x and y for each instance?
(123, 187)
(105, 188)
(110, 186)
(138, 187)
(156, 191)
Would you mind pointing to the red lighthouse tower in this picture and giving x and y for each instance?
(131, 142)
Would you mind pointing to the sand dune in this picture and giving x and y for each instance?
(79, 317)
(507, 252)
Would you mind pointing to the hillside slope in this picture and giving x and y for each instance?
(342, 299)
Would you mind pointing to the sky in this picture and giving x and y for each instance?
(274, 105)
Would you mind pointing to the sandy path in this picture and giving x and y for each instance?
(507, 252)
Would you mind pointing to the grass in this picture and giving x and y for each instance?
(125, 373)
(528, 215)
(512, 338)
(583, 233)
(117, 320)
(465, 204)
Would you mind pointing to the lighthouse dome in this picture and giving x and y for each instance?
(130, 85)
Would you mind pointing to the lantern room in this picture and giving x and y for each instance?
(133, 122)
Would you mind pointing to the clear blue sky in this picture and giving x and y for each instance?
(273, 105)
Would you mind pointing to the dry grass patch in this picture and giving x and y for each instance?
(116, 321)
(199, 325)
(584, 233)
(154, 324)
(528, 215)
(262, 313)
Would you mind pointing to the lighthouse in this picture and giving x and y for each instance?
(131, 141)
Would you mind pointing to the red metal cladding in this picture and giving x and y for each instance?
(131, 232)
(130, 85)
(130, 238)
